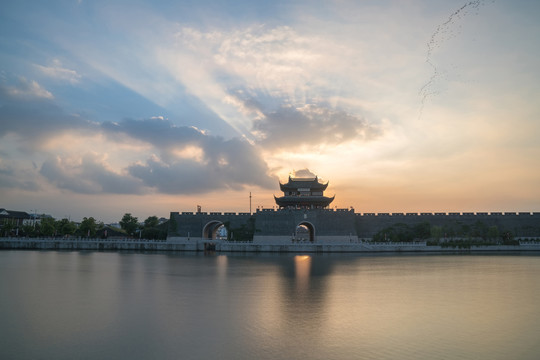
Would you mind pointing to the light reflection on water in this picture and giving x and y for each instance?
(66, 305)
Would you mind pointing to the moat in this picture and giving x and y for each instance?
(191, 305)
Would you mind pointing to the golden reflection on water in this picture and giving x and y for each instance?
(222, 262)
(302, 268)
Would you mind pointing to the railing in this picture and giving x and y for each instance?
(82, 239)
(403, 243)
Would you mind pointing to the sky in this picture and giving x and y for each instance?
(149, 107)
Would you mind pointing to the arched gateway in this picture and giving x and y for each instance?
(213, 230)
(302, 209)
(305, 231)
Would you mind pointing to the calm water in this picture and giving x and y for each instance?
(77, 305)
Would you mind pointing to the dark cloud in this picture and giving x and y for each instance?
(290, 127)
(177, 178)
(217, 164)
(221, 164)
(157, 131)
(226, 164)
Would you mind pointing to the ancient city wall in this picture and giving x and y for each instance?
(344, 223)
(189, 224)
(325, 222)
(519, 224)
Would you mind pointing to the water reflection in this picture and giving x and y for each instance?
(222, 262)
(302, 267)
(244, 306)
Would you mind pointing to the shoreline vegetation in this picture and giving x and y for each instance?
(456, 236)
(89, 227)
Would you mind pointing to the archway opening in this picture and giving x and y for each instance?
(215, 230)
(305, 232)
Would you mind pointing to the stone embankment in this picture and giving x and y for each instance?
(85, 244)
(93, 244)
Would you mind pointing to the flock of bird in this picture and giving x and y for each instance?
(444, 32)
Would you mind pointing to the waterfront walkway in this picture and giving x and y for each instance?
(115, 244)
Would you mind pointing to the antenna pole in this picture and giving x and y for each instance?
(250, 203)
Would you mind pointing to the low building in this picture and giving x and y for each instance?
(11, 221)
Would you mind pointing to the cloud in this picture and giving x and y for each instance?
(276, 60)
(57, 71)
(88, 175)
(12, 177)
(26, 89)
(159, 132)
(186, 176)
(311, 125)
(33, 117)
(278, 81)
(186, 160)
(302, 173)
(191, 161)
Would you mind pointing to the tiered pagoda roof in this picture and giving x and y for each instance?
(303, 193)
(295, 183)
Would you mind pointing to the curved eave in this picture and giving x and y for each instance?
(304, 200)
(313, 185)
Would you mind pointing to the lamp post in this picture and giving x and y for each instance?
(34, 220)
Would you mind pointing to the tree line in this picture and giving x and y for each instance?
(88, 227)
(150, 229)
(479, 231)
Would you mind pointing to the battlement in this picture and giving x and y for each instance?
(342, 222)
(303, 208)
(448, 214)
(518, 223)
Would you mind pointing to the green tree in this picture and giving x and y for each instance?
(7, 227)
(436, 232)
(153, 230)
(151, 222)
(65, 227)
(129, 223)
(47, 226)
(464, 231)
(28, 230)
(493, 232)
(422, 230)
(508, 238)
(480, 230)
(154, 233)
(88, 227)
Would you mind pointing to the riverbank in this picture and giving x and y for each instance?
(225, 246)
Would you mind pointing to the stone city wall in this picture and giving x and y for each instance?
(325, 222)
(344, 223)
(520, 224)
